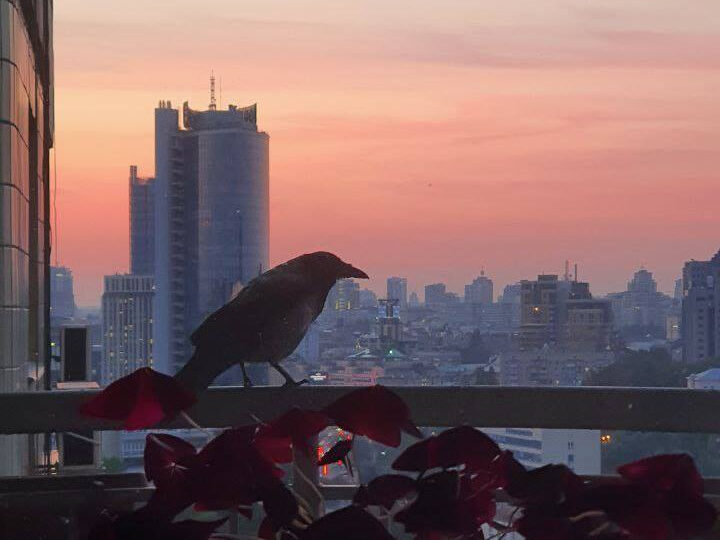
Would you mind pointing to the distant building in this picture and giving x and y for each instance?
(211, 221)
(127, 325)
(62, 295)
(480, 291)
(707, 380)
(397, 289)
(414, 301)
(641, 306)
(563, 313)
(579, 449)
(435, 294)
(700, 309)
(344, 295)
(142, 224)
(550, 366)
(368, 299)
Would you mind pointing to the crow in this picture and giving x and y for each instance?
(266, 320)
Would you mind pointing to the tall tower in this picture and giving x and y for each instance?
(397, 289)
(26, 136)
(212, 218)
(142, 224)
(127, 320)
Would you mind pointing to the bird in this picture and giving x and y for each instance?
(265, 321)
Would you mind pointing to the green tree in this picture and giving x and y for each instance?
(113, 465)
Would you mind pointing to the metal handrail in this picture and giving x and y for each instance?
(632, 409)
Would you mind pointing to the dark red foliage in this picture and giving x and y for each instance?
(280, 505)
(375, 412)
(385, 491)
(668, 473)
(140, 400)
(547, 485)
(337, 453)
(350, 523)
(447, 504)
(276, 449)
(296, 425)
(171, 464)
(144, 524)
(233, 471)
(462, 445)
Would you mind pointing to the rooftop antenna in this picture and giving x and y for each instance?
(567, 270)
(575, 272)
(220, 93)
(213, 103)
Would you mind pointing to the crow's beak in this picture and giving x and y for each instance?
(352, 272)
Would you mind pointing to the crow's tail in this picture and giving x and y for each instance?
(200, 371)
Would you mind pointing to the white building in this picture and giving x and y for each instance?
(707, 380)
(127, 325)
(579, 449)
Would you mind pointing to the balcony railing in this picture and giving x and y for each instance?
(631, 409)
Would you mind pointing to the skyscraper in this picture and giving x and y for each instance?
(127, 322)
(62, 296)
(700, 305)
(211, 218)
(397, 290)
(435, 294)
(480, 291)
(26, 132)
(142, 224)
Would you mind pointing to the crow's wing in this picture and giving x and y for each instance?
(267, 297)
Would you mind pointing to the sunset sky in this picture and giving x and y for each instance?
(424, 138)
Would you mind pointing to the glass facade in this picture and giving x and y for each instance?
(25, 139)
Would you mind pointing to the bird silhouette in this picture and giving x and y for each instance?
(266, 320)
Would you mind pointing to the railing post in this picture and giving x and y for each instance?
(306, 479)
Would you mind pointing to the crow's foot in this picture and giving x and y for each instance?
(294, 384)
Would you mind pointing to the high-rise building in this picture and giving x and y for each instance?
(701, 298)
(211, 218)
(62, 295)
(641, 306)
(480, 291)
(142, 224)
(127, 325)
(435, 294)
(563, 313)
(26, 136)
(345, 294)
(397, 289)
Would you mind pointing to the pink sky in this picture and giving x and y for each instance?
(418, 138)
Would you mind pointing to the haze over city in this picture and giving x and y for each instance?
(422, 139)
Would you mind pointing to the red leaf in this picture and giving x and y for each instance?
(337, 452)
(168, 459)
(385, 490)
(298, 425)
(349, 523)
(276, 449)
(280, 505)
(374, 412)
(140, 400)
(667, 472)
(191, 530)
(232, 470)
(267, 531)
(462, 445)
(548, 484)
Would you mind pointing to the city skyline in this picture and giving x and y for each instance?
(586, 133)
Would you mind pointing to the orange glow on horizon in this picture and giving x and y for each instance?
(414, 139)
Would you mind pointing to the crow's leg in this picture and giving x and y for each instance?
(246, 380)
(289, 381)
